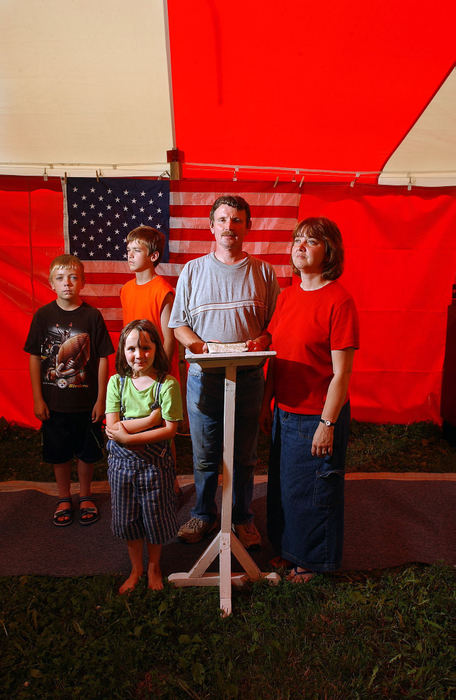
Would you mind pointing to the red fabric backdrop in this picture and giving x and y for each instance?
(400, 266)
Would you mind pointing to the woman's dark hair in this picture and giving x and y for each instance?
(323, 230)
(161, 363)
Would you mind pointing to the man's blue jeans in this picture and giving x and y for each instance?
(205, 406)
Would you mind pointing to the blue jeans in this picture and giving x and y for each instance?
(205, 406)
(306, 494)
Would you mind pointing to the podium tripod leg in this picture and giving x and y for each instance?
(225, 574)
(227, 489)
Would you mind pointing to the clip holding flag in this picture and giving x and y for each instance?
(352, 183)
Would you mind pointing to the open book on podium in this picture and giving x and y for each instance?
(225, 542)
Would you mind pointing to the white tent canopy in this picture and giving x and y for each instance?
(85, 85)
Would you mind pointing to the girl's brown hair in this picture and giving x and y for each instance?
(161, 363)
(327, 231)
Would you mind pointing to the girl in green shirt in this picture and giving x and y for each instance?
(143, 408)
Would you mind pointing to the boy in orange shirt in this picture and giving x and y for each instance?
(149, 296)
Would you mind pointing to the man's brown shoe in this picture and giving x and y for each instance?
(249, 535)
(195, 529)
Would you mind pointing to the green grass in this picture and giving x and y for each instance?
(337, 637)
(417, 447)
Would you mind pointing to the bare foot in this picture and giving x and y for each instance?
(154, 578)
(130, 584)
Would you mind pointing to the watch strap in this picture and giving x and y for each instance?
(327, 423)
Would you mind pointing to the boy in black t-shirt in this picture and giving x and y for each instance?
(68, 345)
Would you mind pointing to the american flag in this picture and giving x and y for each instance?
(185, 206)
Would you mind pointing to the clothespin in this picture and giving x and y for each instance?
(97, 176)
(295, 175)
(409, 186)
(352, 183)
(276, 181)
(235, 174)
(65, 179)
(45, 175)
(301, 183)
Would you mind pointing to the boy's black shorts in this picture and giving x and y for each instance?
(68, 435)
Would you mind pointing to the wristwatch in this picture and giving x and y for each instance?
(327, 423)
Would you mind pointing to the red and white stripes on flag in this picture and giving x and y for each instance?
(274, 215)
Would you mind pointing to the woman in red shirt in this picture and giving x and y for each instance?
(315, 333)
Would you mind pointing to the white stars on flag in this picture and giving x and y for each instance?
(114, 207)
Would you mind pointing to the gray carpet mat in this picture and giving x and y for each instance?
(388, 522)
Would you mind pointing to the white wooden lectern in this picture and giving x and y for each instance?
(225, 541)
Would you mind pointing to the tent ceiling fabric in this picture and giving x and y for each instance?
(84, 82)
(426, 148)
(325, 86)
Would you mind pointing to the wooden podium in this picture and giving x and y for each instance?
(225, 541)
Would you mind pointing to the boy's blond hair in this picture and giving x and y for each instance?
(66, 261)
(153, 240)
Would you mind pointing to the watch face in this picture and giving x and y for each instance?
(328, 422)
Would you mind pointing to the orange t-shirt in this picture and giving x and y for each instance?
(146, 301)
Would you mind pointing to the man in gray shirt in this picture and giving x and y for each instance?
(226, 296)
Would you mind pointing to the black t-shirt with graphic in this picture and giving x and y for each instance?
(70, 344)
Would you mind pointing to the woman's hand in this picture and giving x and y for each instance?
(322, 443)
(259, 344)
(118, 433)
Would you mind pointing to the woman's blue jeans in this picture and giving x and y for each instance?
(205, 406)
(305, 493)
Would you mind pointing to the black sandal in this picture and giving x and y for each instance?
(303, 576)
(89, 515)
(65, 513)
